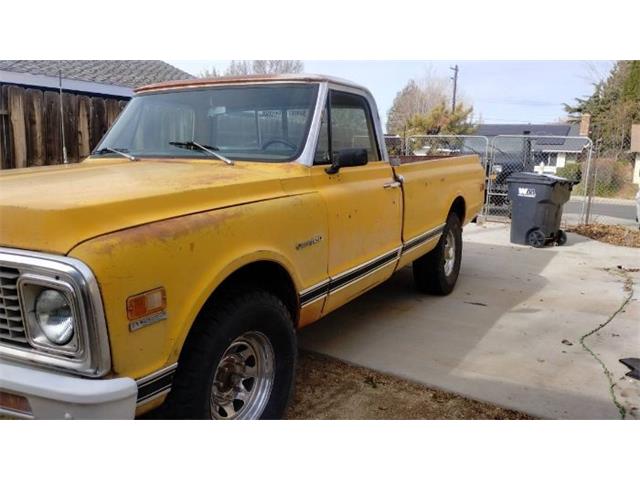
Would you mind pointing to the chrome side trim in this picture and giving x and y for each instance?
(421, 239)
(96, 360)
(316, 292)
(363, 272)
(348, 277)
(156, 384)
(357, 273)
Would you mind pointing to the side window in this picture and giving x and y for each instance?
(351, 127)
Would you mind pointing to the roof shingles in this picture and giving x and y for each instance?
(125, 73)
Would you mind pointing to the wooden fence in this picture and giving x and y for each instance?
(31, 131)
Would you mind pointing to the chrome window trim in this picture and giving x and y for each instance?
(96, 360)
(309, 150)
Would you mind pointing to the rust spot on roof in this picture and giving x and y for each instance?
(206, 82)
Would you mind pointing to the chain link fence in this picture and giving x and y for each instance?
(613, 184)
(605, 181)
(568, 157)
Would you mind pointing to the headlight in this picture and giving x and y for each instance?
(54, 316)
(497, 168)
(51, 315)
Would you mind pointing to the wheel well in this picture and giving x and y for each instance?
(266, 275)
(459, 208)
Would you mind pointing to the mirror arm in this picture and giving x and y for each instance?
(332, 169)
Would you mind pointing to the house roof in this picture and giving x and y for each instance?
(493, 129)
(123, 73)
(541, 130)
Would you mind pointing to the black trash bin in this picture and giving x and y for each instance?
(536, 208)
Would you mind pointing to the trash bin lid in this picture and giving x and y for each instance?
(537, 178)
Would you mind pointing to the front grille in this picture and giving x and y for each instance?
(11, 321)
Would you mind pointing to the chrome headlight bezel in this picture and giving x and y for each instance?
(30, 287)
(92, 358)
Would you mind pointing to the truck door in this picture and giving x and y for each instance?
(364, 203)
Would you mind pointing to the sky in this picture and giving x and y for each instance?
(500, 91)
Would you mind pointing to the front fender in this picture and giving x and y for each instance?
(190, 256)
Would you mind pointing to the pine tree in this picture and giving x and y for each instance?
(614, 106)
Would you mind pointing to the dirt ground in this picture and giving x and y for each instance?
(328, 389)
(613, 234)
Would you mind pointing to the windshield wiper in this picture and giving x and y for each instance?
(119, 151)
(191, 145)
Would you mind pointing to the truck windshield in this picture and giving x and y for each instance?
(262, 123)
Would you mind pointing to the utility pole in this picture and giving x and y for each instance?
(455, 87)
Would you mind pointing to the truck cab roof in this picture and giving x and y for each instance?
(248, 79)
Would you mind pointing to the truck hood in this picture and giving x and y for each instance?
(54, 208)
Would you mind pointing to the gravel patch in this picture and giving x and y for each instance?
(328, 389)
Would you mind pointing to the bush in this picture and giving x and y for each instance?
(610, 176)
(572, 171)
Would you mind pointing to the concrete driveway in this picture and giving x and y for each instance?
(510, 333)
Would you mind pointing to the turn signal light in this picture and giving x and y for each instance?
(17, 404)
(146, 303)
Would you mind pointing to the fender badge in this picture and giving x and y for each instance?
(146, 321)
(310, 242)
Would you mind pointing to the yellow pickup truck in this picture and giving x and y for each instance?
(171, 269)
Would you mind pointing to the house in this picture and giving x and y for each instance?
(554, 145)
(635, 149)
(34, 116)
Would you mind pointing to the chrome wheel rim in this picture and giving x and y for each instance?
(243, 379)
(449, 253)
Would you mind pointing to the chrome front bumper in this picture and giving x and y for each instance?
(54, 395)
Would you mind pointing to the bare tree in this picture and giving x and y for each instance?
(208, 73)
(418, 97)
(277, 66)
(254, 67)
(238, 68)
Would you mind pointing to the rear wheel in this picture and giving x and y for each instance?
(238, 362)
(437, 271)
(561, 237)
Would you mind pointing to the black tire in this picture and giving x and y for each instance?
(429, 271)
(561, 237)
(227, 318)
(536, 238)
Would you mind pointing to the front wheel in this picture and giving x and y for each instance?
(437, 271)
(238, 362)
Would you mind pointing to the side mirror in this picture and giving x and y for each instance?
(347, 157)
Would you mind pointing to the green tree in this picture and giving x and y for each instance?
(440, 120)
(614, 106)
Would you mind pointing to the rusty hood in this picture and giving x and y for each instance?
(54, 208)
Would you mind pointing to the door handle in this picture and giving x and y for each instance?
(394, 184)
